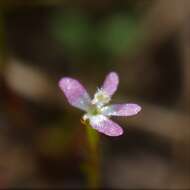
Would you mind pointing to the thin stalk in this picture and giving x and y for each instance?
(93, 166)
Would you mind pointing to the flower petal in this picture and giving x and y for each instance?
(75, 93)
(110, 83)
(105, 125)
(121, 110)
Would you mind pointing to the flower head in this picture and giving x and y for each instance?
(98, 112)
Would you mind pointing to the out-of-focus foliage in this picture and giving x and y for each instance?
(119, 34)
(115, 34)
(72, 29)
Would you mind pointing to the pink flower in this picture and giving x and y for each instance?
(97, 110)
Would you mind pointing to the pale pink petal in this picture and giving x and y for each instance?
(121, 110)
(75, 93)
(110, 83)
(105, 125)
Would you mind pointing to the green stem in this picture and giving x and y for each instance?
(93, 158)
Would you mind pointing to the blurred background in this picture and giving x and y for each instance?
(42, 141)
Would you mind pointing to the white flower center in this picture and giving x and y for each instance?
(101, 98)
(93, 110)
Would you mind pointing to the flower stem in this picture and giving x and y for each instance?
(93, 170)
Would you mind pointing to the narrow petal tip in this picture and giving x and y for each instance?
(111, 83)
(135, 107)
(118, 132)
(114, 75)
(63, 82)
